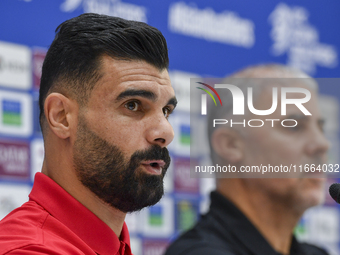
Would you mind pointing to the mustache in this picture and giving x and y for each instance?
(155, 152)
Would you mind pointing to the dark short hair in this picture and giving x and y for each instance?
(72, 63)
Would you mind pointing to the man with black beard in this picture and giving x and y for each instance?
(105, 98)
(135, 189)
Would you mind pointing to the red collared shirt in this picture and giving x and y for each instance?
(53, 222)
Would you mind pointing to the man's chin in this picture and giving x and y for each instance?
(317, 198)
(314, 189)
(143, 195)
(138, 206)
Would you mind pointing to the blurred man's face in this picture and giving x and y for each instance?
(278, 145)
(120, 151)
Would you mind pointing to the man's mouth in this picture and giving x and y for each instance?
(154, 166)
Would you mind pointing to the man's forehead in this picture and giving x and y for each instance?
(119, 75)
(131, 67)
(159, 86)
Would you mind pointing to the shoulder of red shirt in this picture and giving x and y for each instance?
(33, 229)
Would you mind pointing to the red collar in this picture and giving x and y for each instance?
(61, 205)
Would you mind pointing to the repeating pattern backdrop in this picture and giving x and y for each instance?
(205, 39)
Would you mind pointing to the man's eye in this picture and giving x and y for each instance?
(132, 106)
(322, 127)
(167, 111)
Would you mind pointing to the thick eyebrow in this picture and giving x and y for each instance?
(143, 93)
(133, 92)
(173, 101)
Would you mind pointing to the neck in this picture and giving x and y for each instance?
(68, 181)
(273, 220)
(108, 214)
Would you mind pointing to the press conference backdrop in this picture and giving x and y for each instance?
(205, 39)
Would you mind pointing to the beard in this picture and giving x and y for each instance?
(119, 182)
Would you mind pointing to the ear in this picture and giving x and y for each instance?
(60, 114)
(227, 144)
